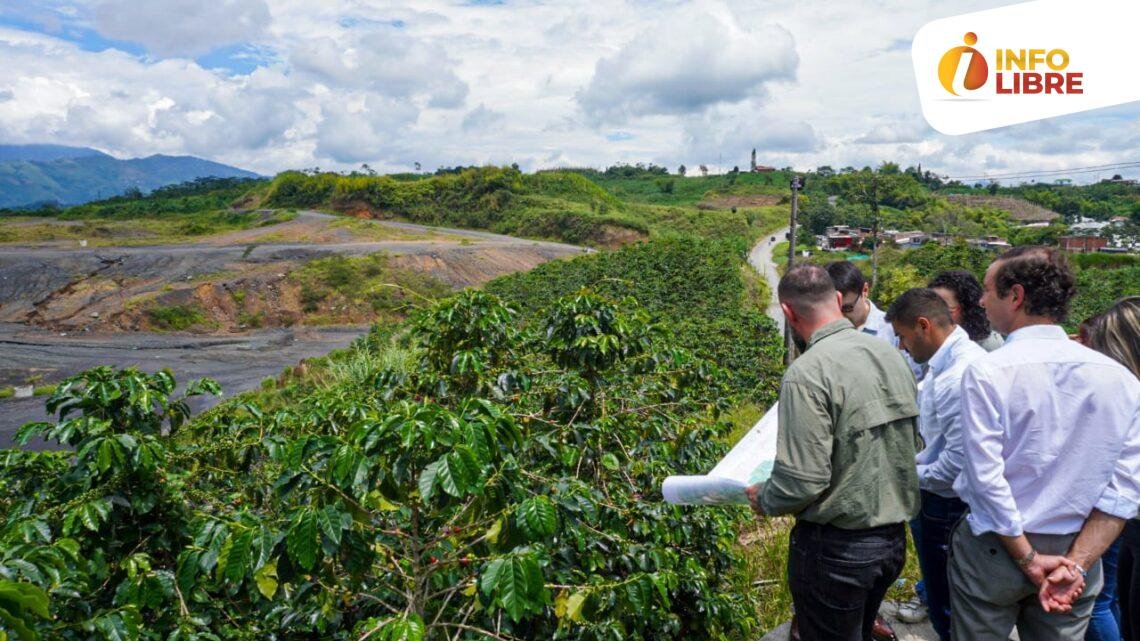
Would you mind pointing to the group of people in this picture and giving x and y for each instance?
(966, 412)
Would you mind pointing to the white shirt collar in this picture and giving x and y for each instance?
(943, 357)
(1046, 332)
(876, 319)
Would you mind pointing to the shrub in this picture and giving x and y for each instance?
(176, 317)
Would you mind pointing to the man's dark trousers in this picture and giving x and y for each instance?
(931, 529)
(838, 577)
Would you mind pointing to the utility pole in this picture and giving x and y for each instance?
(789, 344)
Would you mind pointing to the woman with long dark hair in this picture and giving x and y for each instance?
(961, 291)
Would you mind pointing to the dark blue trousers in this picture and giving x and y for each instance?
(931, 531)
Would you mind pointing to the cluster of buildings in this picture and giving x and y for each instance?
(1086, 235)
(845, 238)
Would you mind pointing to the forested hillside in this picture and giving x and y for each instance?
(33, 175)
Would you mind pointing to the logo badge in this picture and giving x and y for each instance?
(969, 60)
(1025, 62)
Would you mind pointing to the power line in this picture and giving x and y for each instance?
(1050, 172)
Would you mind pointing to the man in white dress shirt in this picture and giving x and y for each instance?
(923, 323)
(1052, 462)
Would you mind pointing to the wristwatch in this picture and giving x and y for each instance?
(1027, 559)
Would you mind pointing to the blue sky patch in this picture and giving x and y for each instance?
(239, 59)
(86, 39)
(349, 22)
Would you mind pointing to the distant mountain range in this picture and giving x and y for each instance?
(35, 174)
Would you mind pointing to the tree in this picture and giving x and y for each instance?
(817, 216)
(872, 188)
(804, 236)
(681, 170)
(704, 170)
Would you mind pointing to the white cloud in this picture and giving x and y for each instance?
(483, 120)
(182, 27)
(385, 61)
(693, 58)
(805, 82)
(709, 138)
(902, 131)
(115, 102)
(364, 129)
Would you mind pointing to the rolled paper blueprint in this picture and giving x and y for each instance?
(748, 462)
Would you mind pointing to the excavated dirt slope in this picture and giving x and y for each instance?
(65, 308)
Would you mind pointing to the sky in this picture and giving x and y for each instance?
(270, 85)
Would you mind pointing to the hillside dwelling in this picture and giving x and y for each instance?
(840, 237)
(909, 239)
(990, 242)
(1088, 227)
(1083, 244)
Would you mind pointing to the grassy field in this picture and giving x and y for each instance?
(100, 232)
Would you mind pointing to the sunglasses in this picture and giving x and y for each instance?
(847, 308)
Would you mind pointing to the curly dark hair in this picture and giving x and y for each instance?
(1045, 275)
(968, 291)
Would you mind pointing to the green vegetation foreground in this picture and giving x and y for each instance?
(490, 471)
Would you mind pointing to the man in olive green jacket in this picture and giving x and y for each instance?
(844, 463)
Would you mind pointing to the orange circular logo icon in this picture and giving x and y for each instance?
(977, 71)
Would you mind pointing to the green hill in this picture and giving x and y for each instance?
(37, 174)
(569, 206)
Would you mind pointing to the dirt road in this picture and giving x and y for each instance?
(53, 300)
(238, 363)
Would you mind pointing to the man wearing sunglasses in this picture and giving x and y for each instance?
(857, 307)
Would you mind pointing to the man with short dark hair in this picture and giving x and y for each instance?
(858, 308)
(923, 323)
(856, 304)
(1052, 462)
(844, 463)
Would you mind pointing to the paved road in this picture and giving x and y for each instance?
(761, 260)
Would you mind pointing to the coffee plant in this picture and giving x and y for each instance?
(506, 488)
